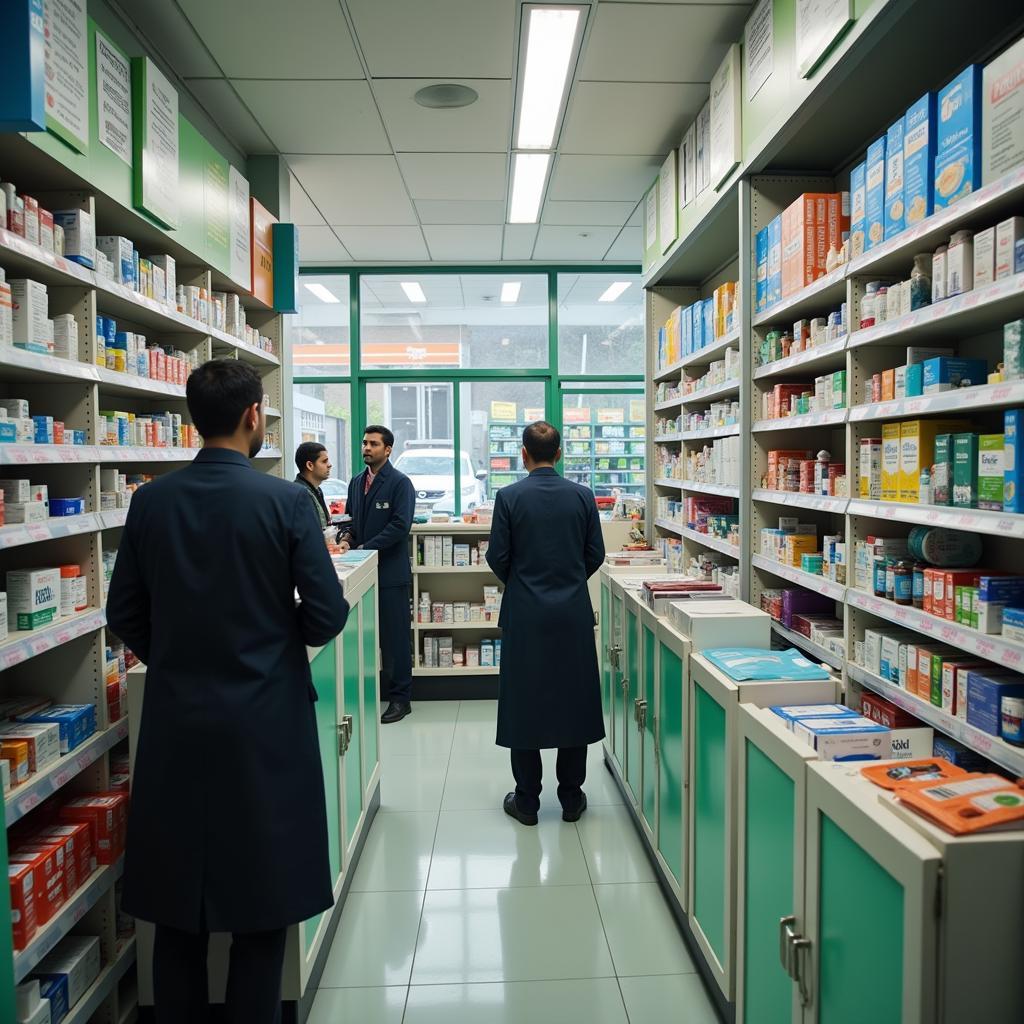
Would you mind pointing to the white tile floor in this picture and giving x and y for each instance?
(460, 915)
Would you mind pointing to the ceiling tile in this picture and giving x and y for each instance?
(568, 243)
(354, 190)
(624, 117)
(257, 40)
(384, 244)
(461, 38)
(316, 117)
(230, 114)
(661, 42)
(636, 220)
(605, 214)
(303, 212)
(604, 178)
(628, 247)
(519, 241)
(171, 34)
(450, 211)
(318, 244)
(455, 175)
(464, 242)
(481, 127)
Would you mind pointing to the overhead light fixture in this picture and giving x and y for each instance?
(528, 176)
(550, 45)
(445, 96)
(322, 293)
(613, 291)
(510, 291)
(413, 291)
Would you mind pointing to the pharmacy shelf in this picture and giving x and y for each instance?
(669, 403)
(63, 454)
(726, 490)
(463, 670)
(820, 585)
(21, 645)
(669, 526)
(973, 520)
(269, 453)
(715, 543)
(830, 418)
(19, 365)
(731, 430)
(828, 355)
(983, 309)
(272, 413)
(711, 352)
(668, 438)
(984, 396)
(993, 648)
(82, 1011)
(433, 627)
(826, 294)
(19, 534)
(807, 645)
(729, 387)
(1002, 753)
(434, 528)
(671, 372)
(43, 785)
(667, 482)
(452, 570)
(820, 503)
(113, 520)
(99, 882)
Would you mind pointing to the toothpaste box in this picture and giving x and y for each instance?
(1013, 624)
(1013, 460)
(79, 232)
(849, 738)
(958, 146)
(761, 255)
(77, 722)
(874, 195)
(985, 691)
(895, 210)
(33, 597)
(1002, 114)
(858, 210)
(944, 373)
(775, 261)
(120, 252)
(919, 159)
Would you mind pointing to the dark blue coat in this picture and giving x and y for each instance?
(382, 520)
(545, 544)
(228, 823)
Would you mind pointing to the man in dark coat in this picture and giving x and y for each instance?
(382, 503)
(314, 466)
(228, 826)
(545, 544)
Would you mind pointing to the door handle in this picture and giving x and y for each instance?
(625, 687)
(341, 739)
(801, 948)
(786, 933)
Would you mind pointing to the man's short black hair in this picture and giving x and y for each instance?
(308, 451)
(218, 392)
(542, 441)
(376, 428)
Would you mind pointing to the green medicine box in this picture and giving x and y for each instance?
(965, 470)
(990, 472)
(942, 470)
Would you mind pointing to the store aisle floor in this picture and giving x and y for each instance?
(459, 914)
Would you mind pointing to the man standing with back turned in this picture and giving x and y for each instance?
(228, 824)
(545, 544)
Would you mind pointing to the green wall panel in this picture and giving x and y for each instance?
(650, 770)
(860, 942)
(368, 625)
(673, 754)
(709, 849)
(352, 760)
(768, 883)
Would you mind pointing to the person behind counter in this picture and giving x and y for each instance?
(545, 544)
(225, 832)
(314, 466)
(382, 503)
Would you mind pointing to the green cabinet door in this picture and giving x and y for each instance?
(352, 761)
(606, 659)
(649, 753)
(371, 710)
(618, 674)
(631, 741)
(673, 753)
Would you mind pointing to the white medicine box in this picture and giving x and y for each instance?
(721, 623)
(33, 597)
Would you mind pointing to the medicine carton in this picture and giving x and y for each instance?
(965, 470)
(1013, 624)
(6, 314)
(1008, 233)
(849, 738)
(30, 311)
(77, 961)
(858, 210)
(43, 742)
(21, 879)
(990, 472)
(958, 152)
(120, 252)
(79, 231)
(77, 722)
(890, 462)
(1002, 114)
(985, 690)
(1013, 460)
(761, 254)
(984, 257)
(33, 597)
(874, 195)
(895, 210)
(919, 159)
(793, 713)
(944, 373)
(775, 261)
(911, 744)
(55, 991)
(995, 593)
(1013, 350)
(942, 470)
(917, 449)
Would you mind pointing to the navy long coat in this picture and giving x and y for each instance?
(228, 828)
(545, 544)
(382, 520)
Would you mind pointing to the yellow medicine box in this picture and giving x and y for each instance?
(917, 450)
(890, 462)
(799, 544)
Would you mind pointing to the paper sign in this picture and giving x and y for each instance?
(819, 23)
(759, 47)
(576, 414)
(637, 412)
(155, 109)
(667, 228)
(113, 99)
(504, 412)
(261, 246)
(532, 415)
(238, 199)
(651, 218)
(688, 167)
(611, 415)
(725, 117)
(67, 72)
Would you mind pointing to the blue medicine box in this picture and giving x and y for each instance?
(687, 327)
(895, 212)
(77, 723)
(915, 380)
(697, 314)
(761, 278)
(858, 209)
(956, 753)
(801, 712)
(985, 690)
(874, 195)
(708, 316)
(55, 988)
(67, 507)
(919, 132)
(1013, 458)
(946, 373)
(958, 146)
(8, 432)
(775, 261)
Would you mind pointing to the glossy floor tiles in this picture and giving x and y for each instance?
(460, 915)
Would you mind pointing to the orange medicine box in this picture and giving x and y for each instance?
(798, 244)
(107, 814)
(21, 878)
(16, 754)
(48, 876)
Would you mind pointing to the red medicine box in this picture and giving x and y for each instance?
(107, 814)
(23, 902)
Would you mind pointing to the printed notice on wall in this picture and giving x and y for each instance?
(114, 98)
(156, 142)
(759, 47)
(238, 197)
(819, 23)
(667, 228)
(651, 218)
(725, 117)
(67, 72)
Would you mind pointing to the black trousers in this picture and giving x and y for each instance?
(254, 978)
(395, 644)
(528, 770)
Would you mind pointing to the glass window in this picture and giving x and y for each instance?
(600, 324)
(457, 321)
(321, 345)
(323, 412)
(603, 440)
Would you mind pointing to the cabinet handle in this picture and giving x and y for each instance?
(341, 739)
(613, 654)
(785, 935)
(801, 954)
(625, 687)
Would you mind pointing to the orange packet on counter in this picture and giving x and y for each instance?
(976, 803)
(899, 774)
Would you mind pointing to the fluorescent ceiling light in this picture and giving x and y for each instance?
(413, 291)
(322, 293)
(510, 291)
(550, 41)
(528, 177)
(613, 291)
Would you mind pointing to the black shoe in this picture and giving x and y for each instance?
(396, 711)
(575, 815)
(512, 809)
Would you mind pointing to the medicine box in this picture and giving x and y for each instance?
(1002, 114)
(6, 314)
(984, 257)
(946, 374)
(77, 960)
(895, 218)
(1008, 233)
(985, 690)
(77, 722)
(79, 230)
(1013, 350)
(25, 512)
(919, 159)
(994, 594)
(1013, 624)
(848, 738)
(54, 990)
(30, 311)
(16, 490)
(1013, 460)
(721, 623)
(965, 470)
(917, 449)
(43, 741)
(858, 212)
(67, 506)
(775, 261)
(761, 253)
(793, 713)
(890, 461)
(120, 252)
(911, 744)
(874, 196)
(990, 472)
(33, 597)
(958, 152)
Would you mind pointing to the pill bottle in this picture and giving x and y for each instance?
(921, 281)
(917, 586)
(903, 583)
(867, 305)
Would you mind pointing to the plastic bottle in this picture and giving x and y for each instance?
(867, 305)
(917, 586)
(903, 583)
(921, 281)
